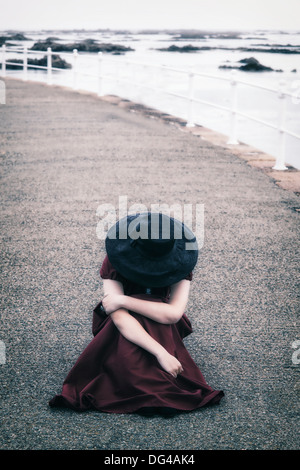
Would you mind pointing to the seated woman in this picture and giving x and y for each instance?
(137, 361)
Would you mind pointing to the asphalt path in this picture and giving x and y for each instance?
(65, 154)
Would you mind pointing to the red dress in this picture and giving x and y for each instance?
(114, 375)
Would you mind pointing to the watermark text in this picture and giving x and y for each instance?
(191, 215)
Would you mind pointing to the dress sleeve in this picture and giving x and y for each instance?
(107, 271)
(189, 277)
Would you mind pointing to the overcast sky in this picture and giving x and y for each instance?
(140, 14)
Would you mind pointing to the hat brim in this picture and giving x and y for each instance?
(151, 271)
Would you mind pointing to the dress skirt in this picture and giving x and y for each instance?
(114, 375)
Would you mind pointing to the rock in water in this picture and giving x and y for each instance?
(57, 62)
(253, 65)
(87, 45)
(188, 48)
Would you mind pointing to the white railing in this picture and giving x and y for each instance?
(189, 97)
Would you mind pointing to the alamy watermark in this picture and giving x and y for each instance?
(296, 354)
(2, 92)
(191, 215)
(2, 353)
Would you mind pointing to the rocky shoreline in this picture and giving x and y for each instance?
(12, 37)
(269, 49)
(57, 62)
(57, 45)
(87, 45)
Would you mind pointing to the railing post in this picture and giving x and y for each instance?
(75, 56)
(25, 65)
(190, 120)
(49, 66)
(100, 74)
(3, 71)
(280, 161)
(233, 118)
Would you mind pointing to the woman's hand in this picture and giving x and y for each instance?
(112, 302)
(169, 363)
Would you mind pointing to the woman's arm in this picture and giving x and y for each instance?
(161, 312)
(133, 331)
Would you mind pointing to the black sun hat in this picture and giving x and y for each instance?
(151, 249)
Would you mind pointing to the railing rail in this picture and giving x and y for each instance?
(190, 97)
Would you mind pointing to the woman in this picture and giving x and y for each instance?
(137, 361)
